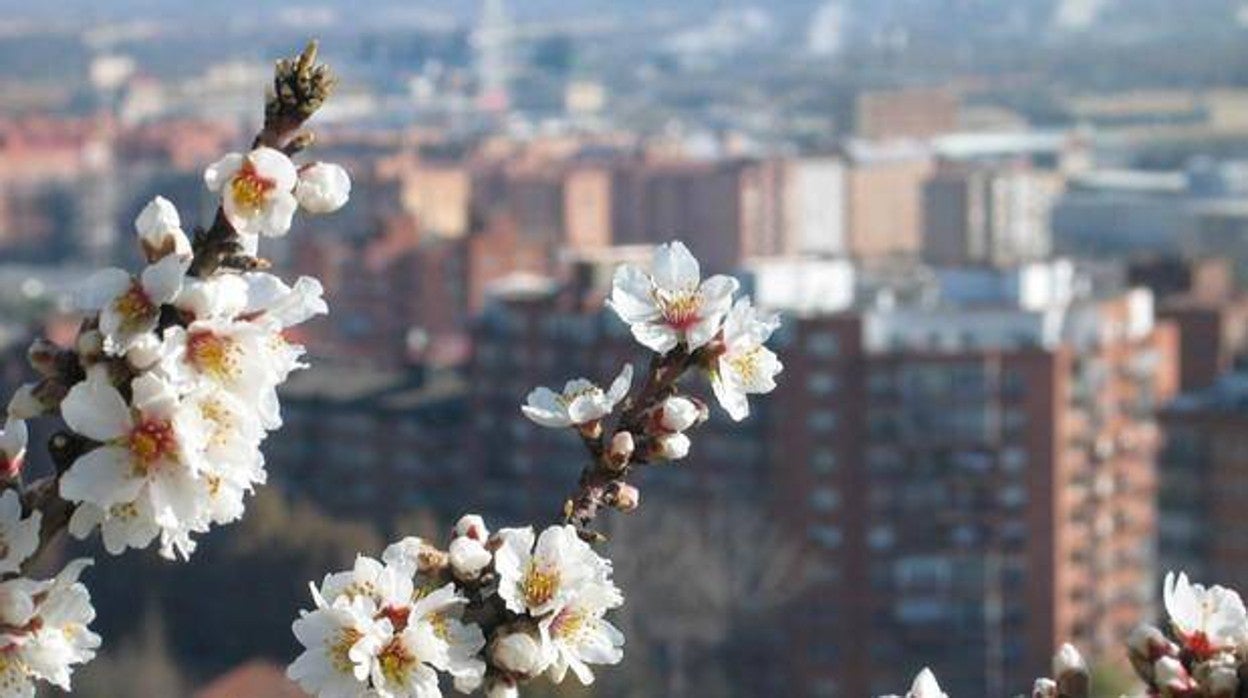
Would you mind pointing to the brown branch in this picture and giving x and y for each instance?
(602, 478)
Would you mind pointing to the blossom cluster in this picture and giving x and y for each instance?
(180, 369)
(493, 611)
(166, 394)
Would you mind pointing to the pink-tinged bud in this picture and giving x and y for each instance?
(145, 352)
(160, 231)
(1172, 678)
(13, 448)
(672, 446)
(677, 414)
(1044, 688)
(620, 452)
(1145, 645)
(626, 497)
(704, 410)
(518, 653)
(468, 558)
(472, 526)
(591, 429)
(25, 405)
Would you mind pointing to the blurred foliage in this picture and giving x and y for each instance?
(1113, 681)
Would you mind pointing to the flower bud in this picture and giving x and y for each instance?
(404, 554)
(620, 451)
(626, 497)
(43, 356)
(677, 414)
(1044, 688)
(468, 557)
(518, 653)
(145, 352)
(672, 446)
(1219, 676)
(13, 448)
(1171, 676)
(90, 346)
(160, 230)
(925, 686)
(472, 526)
(501, 687)
(24, 404)
(323, 187)
(1070, 672)
(1145, 645)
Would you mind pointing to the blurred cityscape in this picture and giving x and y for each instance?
(1008, 239)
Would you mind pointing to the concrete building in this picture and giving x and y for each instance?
(884, 199)
(994, 215)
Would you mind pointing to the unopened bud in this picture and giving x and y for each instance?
(145, 352)
(677, 414)
(43, 356)
(1219, 676)
(672, 446)
(1145, 645)
(620, 452)
(518, 653)
(90, 346)
(472, 526)
(501, 687)
(49, 392)
(404, 554)
(1044, 688)
(926, 686)
(13, 449)
(591, 429)
(1171, 676)
(625, 497)
(468, 558)
(24, 404)
(1071, 672)
(160, 230)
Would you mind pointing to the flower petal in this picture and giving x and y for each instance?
(103, 477)
(675, 267)
(96, 410)
(220, 172)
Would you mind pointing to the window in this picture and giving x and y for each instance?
(822, 383)
(881, 537)
(826, 536)
(825, 499)
(823, 345)
(821, 421)
(823, 461)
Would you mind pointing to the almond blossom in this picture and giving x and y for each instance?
(540, 576)
(745, 365)
(924, 686)
(44, 630)
(579, 635)
(671, 305)
(129, 307)
(19, 537)
(1206, 620)
(150, 453)
(257, 190)
(341, 641)
(323, 187)
(581, 401)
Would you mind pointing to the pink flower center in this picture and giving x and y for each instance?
(679, 309)
(212, 354)
(1199, 644)
(150, 442)
(249, 189)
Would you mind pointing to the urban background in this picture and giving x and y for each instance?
(1008, 237)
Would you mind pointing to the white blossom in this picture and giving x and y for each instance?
(1205, 620)
(581, 402)
(24, 404)
(323, 187)
(1171, 676)
(745, 366)
(150, 457)
(925, 686)
(538, 578)
(129, 307)
(45, 630)
(257, 190)
(19, 537)
(472, 526)
(578, 634)
(671, 304)
(1067, 659)
(341, 641)
(160, 230)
